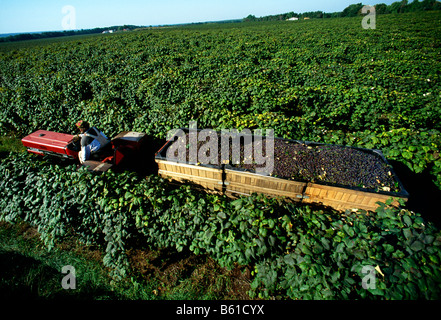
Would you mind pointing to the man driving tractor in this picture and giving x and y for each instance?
(92, 140)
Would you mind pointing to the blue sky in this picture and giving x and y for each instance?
(47, 15)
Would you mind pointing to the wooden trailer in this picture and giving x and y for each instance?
(234, 182)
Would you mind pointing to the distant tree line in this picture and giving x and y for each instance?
(53, 34)
(350, 11)
(355, 9)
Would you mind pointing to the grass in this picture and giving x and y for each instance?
(10, 143)
(28, 270)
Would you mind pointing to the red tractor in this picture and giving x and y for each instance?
(125, 145)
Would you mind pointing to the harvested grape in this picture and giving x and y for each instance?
(310, 162)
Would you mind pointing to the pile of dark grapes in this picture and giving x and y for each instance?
(332, 164)
(327, 164)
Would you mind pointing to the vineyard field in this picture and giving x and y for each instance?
(326, 81)
(322, 80)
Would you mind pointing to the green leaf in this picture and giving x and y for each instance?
(222, 215)
(349, 230)
(349, 281)
(326, 243)
(340, 247)
(237, 204)
(428, 239)
(398, 254)
(128, 195)
(289, 260)
(434, 259)
(271, 241)
(263, 231)
(348, 242)
(407, 220)
(407, 233)
(388, 248)
(305, 249)
(335, 276)
(249, 253)
(406, 155)
(207, 236)
(271, 223)
(417, 246)
(376, 292)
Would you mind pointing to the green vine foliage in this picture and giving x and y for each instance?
(331, 252)
(323, 79)
(294, 251)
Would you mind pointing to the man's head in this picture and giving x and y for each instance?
(82, 125)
